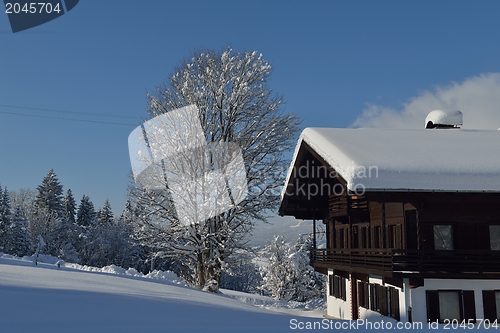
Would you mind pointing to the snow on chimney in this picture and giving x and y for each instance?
(443, 119)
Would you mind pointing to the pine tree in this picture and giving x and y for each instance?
(5, 208)
(101, 243)
(69, 205)
(109, 240)
(86, 219)
(49, 196)
(135, 252)
(86, 214)
(127, 214)
(49, 220)
(18, 239)
(4, 216)
(70, 230)
(105, 214)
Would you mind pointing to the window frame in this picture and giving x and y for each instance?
(466, 305)
(489, 236)
(452, 230)
(337, 287)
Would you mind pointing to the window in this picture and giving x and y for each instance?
(365, 237)
(378, 299)
(355, 237)
(394, 236)
(398, 234)
(497, 303)
(495, 237)
(376, 237)
(443, 237)
(341, 238)
(363, 294)
(450, 304)
(491, 304)
(389, 236)
(337, 286)
(384, 300)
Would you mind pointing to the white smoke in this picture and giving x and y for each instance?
(477, 97)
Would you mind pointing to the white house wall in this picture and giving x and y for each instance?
(403, 303)
(336, 307)
(418, 298)
(410, 297)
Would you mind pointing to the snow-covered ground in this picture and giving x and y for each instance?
(74, 298)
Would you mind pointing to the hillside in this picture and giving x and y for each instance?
(287, 226)
(72, 298)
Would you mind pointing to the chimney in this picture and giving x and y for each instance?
(439, 119)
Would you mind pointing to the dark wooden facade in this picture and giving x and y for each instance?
(396, 234)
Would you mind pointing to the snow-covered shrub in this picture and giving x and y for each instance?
(289, 275)
(242, 274)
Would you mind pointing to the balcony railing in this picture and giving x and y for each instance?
(396, 262)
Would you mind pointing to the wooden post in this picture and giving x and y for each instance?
(314, 233)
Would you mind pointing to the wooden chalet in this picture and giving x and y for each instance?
(412, 220)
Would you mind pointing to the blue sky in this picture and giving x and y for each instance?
(337, 64)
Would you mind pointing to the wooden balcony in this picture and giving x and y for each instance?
(353, 206)
(411, 263)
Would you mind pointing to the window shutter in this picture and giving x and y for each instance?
(483, 236)
(330, 280)
(363, 299)
(382, 293)
(361, 294)
(432, 299)
(394, 303)
(427, 237)
(343, 282)
(411, 229)
(489, 305)
(463, 236)
(330, 237)
(367, 298)
(373, 297)
(469, 305)
(336, 284)
(399, 237)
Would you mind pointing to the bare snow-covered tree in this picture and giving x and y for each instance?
(235, 106)
(25, 199)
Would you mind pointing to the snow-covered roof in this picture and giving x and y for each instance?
(420, 160)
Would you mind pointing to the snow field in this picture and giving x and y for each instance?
(74, 298)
